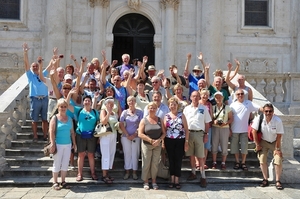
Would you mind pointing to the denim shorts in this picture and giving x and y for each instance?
(38, 106)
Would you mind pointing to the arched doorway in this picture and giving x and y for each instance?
(133, 34)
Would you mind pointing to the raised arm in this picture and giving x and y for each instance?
(127, 83)
(227, 79)
(81, 87)
(200, 57)
(40, 63)
(54, 84)
(103, 72)
(236, 69)
(206, 74)
(77, 66)
(187, 65)
(26, 62)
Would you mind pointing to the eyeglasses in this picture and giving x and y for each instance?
(38, 78)
(117, 80)
(240, 94)
(67, 88)
(196, 71)
(154, 82)
(268, 111)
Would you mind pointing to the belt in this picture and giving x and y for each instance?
(40, 97)
(270, 142)
(52, 98)
(195, 131)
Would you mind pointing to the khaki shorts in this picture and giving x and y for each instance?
(238, 139)
(263, 154)
(196, 145)
(88, 145)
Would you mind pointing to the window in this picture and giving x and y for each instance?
(256, 13)
(10, 9)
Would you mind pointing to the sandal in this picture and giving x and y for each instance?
(236, 166)
(65, 185)
(56, 186)
(177, 186)
(244, 167)
(106, 180)
(146, 186)
(197, 167)
(79, 178)
(278, 185)
(264, 183)
(94, 176)
(171, 185)
(111, 178)
(155, 186)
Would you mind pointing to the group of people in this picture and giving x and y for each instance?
(148, 114)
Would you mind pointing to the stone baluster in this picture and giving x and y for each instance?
(279, 94)
(270, 85)
(260, 86)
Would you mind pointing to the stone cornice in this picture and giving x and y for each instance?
(170, 3)
(103, 3)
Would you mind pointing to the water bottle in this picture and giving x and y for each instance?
(271, 171)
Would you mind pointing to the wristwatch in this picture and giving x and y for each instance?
(277, 149)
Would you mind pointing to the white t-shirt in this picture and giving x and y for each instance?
(241, 113)
(269, 130)
(196, 117)
(48, 83)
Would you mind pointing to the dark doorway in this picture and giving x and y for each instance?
(133, 34)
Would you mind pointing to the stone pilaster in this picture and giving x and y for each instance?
(170, 3)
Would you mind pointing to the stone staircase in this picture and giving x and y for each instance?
(27, 166)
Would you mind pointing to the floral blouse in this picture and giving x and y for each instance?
(175, 129)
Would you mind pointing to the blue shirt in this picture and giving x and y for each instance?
(86, 120)
(36, 86)
(193, 82)
(120, 94)
(63, 132)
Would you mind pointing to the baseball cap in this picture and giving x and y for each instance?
(218, 93)
(68, 76)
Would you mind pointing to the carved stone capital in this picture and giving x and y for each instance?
(103, 3)
(170, 3)
(134, 4)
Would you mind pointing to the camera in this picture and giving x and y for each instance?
(220, 122)
(61, 56)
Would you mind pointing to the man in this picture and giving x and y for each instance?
(241, 82)
(151, 73)
(272, 131)
(90, 72)
(241, 110)
(198, 119)
(38, 93)
(193, 79)
(175, 78)
(162, 109)
(156, 86)
(125, 66)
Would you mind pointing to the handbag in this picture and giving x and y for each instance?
(102, 130)
(163, 171)
(47, 147)
(259, 133)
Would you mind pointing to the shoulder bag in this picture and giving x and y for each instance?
(47, 147)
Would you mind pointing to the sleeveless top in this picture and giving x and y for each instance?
(63, 131)
(175, 129)
(152, 130)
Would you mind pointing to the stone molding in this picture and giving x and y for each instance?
(8, 59)
(170, 3)
(103, 3)
(134, 4)
(259, 65)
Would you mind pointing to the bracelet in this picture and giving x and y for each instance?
(186, 140)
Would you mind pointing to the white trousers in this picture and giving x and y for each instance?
(108, 149)
(61, 158)
(131, 151)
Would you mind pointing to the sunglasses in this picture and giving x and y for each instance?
(67, 88)
(117, 80)
(38, 79)
(240, 94)
(268, 111)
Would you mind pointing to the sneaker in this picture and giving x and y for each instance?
(203, 183)
(223, 167)
(126, 176)
(214, 165)
(192, 177)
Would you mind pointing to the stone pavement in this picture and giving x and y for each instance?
(134, 191)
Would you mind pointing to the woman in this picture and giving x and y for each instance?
(61, 131)
(108, 142)
(130, 141)
(176, 140)
(204, 94)
(86, 142)
(152, 132)
(222, 118)
(142, 99)
(183, 101)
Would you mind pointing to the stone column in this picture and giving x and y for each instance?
(98, 26)
(169, 32)
(54, 34)
(211, 33)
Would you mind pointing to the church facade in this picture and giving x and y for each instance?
(262, 34)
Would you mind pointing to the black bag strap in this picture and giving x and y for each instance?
(260, 121)
(219, 111)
